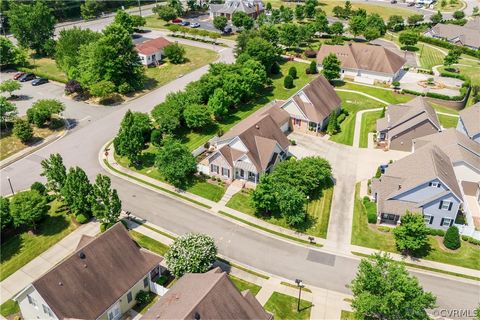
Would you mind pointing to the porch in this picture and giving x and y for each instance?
(389, 219)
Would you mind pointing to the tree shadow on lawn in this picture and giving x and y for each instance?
(146, 160)
(420, 253)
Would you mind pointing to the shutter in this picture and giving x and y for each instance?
(441, 204)
(431, 220)
(439, 185)
(441, 222)
(451, 222)
(429, 184)
(450, 206)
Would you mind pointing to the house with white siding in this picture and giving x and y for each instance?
(151, 51)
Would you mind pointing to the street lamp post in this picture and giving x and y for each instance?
(10, 183)
(140, 8)
(300, 286)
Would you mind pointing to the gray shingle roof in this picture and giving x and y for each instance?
(471, 118)
(466, 35)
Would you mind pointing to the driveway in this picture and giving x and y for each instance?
(410, 56)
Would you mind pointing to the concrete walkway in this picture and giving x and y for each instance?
(44, 262)
(232, 189)
(358, 126)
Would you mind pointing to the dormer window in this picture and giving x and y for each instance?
(435, 184)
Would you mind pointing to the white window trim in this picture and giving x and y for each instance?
(444, 224)
(427, 218)
(445, 205)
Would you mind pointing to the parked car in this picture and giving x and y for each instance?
(393, 1)
(18, 75)
(26, 77)
(410, 4)
(227, 30)
(195, 25)
(419, 5)
(39, 81)
(176, 20)
(185, 23)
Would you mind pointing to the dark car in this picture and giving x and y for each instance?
(18, 75)
(227, 30)
(176, 20)
(393, 1)
(39, 81)
(383, 167)
(26, 77)
(195, 25)
(185, 23)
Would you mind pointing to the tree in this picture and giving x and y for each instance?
(39, 187)
(10, 86)
(219, 103)
(125, 20)
(191, 253)
(394, 21)
(55, 172)
(196, 116)
(27, 208)
(288, 82)
(331, 67)
(144, 124)
(32, 24)
(269, 6)
(371, 33)
(177, 5)
(383, 289)
(408, 38)
(452, 238)
(192, 4)
(166, 13)
(241, 19)
(452, 57)
(411, 236)
(290, 35)
(167, 116)
(292, 72)
(437, 17)
(357, 25)
(286, 15)
(91, 9)
(106, 205)
(22, 130)
(5, 216)
(102, 89)
(321, 22)
(459, 15)
(312, 68)
(332, 126)
(129, 141)
(347, 11)
(299, 12)
(376, 22)
(338, 12)
(291, 203)
(43, 110)
(175, 53)
(264, 196)
(8, 111)
(175, 163)
(336, 28)
(10, 53)
(414, 19)
(77, 191)
(220, 22)
(310, 8)
(262, 51)
(73, 86)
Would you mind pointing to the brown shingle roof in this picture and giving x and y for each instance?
(470, 118)
(209, 295)
(84, 288)
(152, 46)
(359, 56)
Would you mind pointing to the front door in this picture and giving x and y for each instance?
(114, 313)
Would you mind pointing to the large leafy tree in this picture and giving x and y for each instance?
(375, 21)
(125, 20)
(394, 21)
(411, 236)
(290, 35)
(77, 191)
(196, 116)
(262, 51)
(106, 205)
(8, 111)
(167, 116)
(10, 53)
(129, 141)
(437, 17)
(383, 289)
(175, 53)
(43, 110)
(336, 28)
(357, 25)
(191, 253)
(91, 9)
(10, 86)
(175, 163)
(22, 130)
(242, 20)
(166, 13)
(415, 18)
(27, 208)
(55, 172)
(32, 24)
(452, 57)
(331, 67)
(408, 38)
(220, 22)
(291, 203)
(5, 216)
(219, 103)
(321, 22)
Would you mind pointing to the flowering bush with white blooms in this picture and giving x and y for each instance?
(192, 252)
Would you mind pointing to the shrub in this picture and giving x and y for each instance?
(105, 226)
(396, 84)
(452, 238)
(436, 232)
(175, 53)
(73, 86)
(156, 137)
(293, 72)
(275, 69)
(288, 82)
(39, 187)
(22, 130)
(293, 142)
(340, 118)
(310, 53)
(371, 209)
(142, 297)
(453, 75)
(312, 68)
(81, 218)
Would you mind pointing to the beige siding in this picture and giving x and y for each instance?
(403, 141)
(219, 161)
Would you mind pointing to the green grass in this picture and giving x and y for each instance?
(284, 307)
(346, 315)
(467, 256)
(166, 72)
(369, 122)
(149, 243)
(386, 95)
(154, 22)
(22, 248)
(440, 108)
(45, 67)
(142, 308)
(449, 7)
(429, 56)
(316, 223)
(9, 308)
(294, 286)
(239, 267)
(352, 102)
(448, 121)
(243, 285)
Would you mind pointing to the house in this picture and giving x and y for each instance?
(467, 35)
(210, 295)
(311, 106)
(252, 8)
(363, 62)
(151, 51)
(405, 122)
(423, 182)
(251, 148)
(469, 122)
(98, 281)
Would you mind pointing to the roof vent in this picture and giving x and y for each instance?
(82, 255)
(399, 186)
(60, 283)
(256, 126)
(197, 316)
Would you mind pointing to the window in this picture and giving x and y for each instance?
(434, 184)
(297, 122)
(446, 222)
(145, 282)
(214, 168)
(446, 205)
(32, 301)
(225, 172)
(428, 218)
(129, 297)
(47, 310)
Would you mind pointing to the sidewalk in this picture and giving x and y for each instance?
(44, 262)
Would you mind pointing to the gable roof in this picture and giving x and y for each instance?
(322, 99)
(360, 56)
(232, 6)
(466, 35)
(471, 119)
(152, 46)
(209, 295)
(84, 288)
(399, 118)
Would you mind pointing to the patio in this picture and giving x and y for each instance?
(441, 85)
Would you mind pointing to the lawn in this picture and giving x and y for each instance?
(440, 108)
(369, 122)
(383, 94)
(450, 6)
(352, 102)
(166, 72)
(448, 121)
(149, 243)
(366, 235)
(154, 22)
(9, 308)
(429, 56)
(45, 67)
(284, 307)
(347, 315)
(243, 285)
(316, 223)
(20, 249)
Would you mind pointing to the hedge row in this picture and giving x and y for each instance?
(471, 240)
(453, 75)
(448, 45)
(441, 233)
(434, 95)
